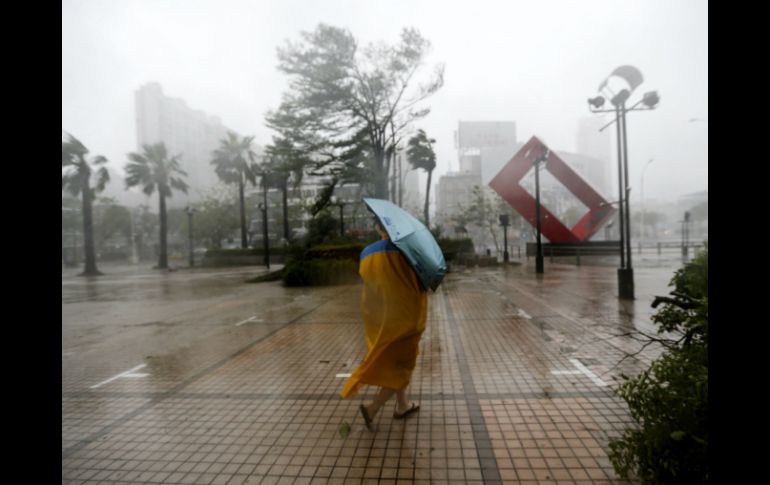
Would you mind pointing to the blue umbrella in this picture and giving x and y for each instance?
(413, 239)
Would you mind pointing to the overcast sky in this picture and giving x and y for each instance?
(532, 62)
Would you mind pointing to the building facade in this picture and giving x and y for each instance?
(191, 133)
(484, 147)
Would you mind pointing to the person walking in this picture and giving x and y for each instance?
(394, 307)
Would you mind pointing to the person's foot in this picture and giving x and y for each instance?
(401, 415)
(367, 420)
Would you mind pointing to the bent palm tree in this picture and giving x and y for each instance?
(152, 169)
(235, 164)
(421, 155)
(76, 179)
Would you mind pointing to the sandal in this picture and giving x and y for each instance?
(367, 420)
(413, 408)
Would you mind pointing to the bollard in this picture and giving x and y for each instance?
(578, 256)
(519, 252)
(551, 251)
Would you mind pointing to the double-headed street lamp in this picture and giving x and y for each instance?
(618, 87)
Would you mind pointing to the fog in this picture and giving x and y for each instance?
(535, 63)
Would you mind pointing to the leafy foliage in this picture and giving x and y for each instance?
(420, 154)
(153, 170)
(346, 107)
(85, 179)
(316, 272)
(323, 228)
(669, 401)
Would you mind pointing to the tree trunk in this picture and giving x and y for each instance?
(285, 189)
(380, 175)
(400, 183)
(427, 200)
(244, 239)
(393, 178)
(163, 258)
(494, 236)
(88, 233)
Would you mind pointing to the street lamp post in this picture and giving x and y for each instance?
(641, 196)
(504, 222)
(539, 256)
(263, 208)
(685, 233)
(190, 211)
(341, 203)
(632, 78)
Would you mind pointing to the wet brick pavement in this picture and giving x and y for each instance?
(195, 377)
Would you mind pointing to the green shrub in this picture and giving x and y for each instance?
(320, 272)
(455, 247)
(669, 401)
(322, 228)
(272, 276)
(219, 253)
(350, 252)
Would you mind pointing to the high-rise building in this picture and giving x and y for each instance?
(484, 147)
(454, 194)
(185, 131)
(413, 199)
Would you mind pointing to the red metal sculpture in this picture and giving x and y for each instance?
(507, 183)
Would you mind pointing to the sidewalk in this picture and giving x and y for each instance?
(513, 380)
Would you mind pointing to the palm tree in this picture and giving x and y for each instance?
(152, 169)
(76, 178)
(420, 154)
(235, 164)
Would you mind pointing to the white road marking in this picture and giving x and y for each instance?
(565, 372)
(524, 314)
(128, 373)
(252, 319)
(588, 373)
(342, 376)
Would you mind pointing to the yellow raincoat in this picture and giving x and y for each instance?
(394, 307)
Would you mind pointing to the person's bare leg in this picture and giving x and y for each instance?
(380, 399)
(401, 402)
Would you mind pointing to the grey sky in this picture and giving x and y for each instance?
(533, 62)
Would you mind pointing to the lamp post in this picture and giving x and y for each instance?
(504, 223)
(631, 77)
(685, 233)
(539, 257)
(263, 208)
(341, 203)
(190, 211)
(641, 196)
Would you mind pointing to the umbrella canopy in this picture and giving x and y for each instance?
(413, 239)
